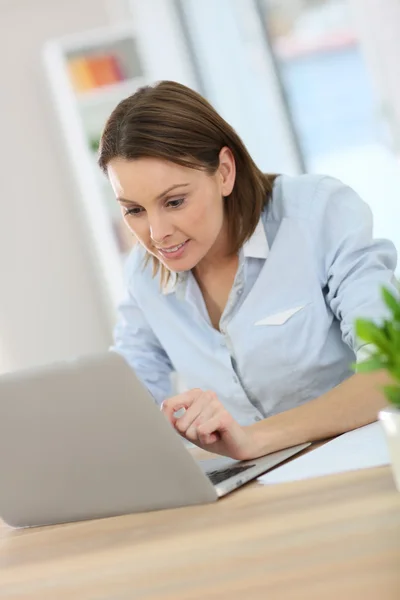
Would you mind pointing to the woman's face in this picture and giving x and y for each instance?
(175, 212)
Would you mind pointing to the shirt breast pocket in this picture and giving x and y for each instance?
(284, 335)
(281, 317)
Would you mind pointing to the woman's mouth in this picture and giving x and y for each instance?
(173, 251)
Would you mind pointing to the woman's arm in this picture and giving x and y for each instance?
(207, 423)
(353, 403)
(135, 340)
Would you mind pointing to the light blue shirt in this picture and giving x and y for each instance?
(287, 332)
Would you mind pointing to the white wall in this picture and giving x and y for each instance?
(373, 170)
(239, 79)
(378, 27)
(164, 52)
(50, 301)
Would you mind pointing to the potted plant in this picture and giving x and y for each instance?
(385, 354)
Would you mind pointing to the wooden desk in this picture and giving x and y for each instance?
(333, 538)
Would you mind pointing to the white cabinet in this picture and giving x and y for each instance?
(89, 74)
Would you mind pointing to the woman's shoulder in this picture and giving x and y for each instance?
(322, 205)
(294, 196)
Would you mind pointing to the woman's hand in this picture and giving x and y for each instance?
(209, 425)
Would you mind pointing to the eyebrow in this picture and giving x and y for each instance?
(164, 193)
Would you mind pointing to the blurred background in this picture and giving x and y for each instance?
(310, 85)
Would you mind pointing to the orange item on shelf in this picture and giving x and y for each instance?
(116, 65)
(105, 69)
(81, 74)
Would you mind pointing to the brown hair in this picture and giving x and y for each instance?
(170, 121)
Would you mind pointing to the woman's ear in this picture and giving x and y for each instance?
(227, 171)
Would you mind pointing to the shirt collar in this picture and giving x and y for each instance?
(255, 247)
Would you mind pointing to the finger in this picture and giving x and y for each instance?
(206, 440)
(221, 425)
(205, 415)
(194, 411)
(185, 400)
(211, 426)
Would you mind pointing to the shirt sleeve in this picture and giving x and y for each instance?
(355, 266)
(136, 342)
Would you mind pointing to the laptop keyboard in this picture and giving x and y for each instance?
(224, 474)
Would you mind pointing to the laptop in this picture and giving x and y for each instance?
(83, 439)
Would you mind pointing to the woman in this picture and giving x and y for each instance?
(254, 286)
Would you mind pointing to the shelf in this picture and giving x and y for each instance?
(110, 93)
(97, 38)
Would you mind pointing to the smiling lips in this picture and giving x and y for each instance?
(173, 251)
(172, 248)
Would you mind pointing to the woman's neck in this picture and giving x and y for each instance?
(218, 257)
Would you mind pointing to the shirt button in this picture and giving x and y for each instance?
(235, 379)
(258, 419)
(239, 292)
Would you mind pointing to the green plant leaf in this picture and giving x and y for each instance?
(365, 330)
(371, 364)
(392, 333)
(385, 339)
(392, 393)
(371, 333)
(94, 144)
(392, 303)
(394, 370)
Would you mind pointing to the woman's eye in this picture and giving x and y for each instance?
(133, 211)
(175, 203)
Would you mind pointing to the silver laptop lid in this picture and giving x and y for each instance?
(84, 439)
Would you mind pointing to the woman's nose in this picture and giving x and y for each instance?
(160, 229)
